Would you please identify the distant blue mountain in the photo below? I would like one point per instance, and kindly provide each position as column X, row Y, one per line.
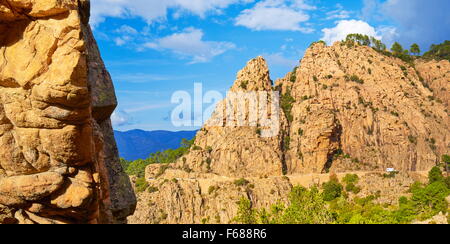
column 139, row 144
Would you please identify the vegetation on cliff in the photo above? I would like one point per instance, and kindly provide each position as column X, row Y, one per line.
column 441, row 51
column 437, row 52
column 137, row 167
column 333, row 205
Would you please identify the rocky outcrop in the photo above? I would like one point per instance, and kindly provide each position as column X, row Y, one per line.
column 58, row 158
column 435, row 76
column 344, row 109
column 373, row 108
column 207, row 199
column 236, row 148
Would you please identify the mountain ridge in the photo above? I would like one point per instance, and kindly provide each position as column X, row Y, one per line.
column 139, row 144
column 347, row 108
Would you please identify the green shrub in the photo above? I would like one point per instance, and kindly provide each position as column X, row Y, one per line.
column 152, row 189
column 351, row 179
column 403, row 200
column 241, row 182
column 332, row 190
column 396, row 114
column 244, row 84
column 162, row 170
column 390, row 175
column 305, row 207
column 356, row 79
column 446, row 160
column 435, row 175
column 447, row 181
column 286, row 143
column 141, row 184
column 196, row 148
column 245, row 214
column 287, row 102
column 137, row 167
column 351, row 187
column 428, row 201
column 293, row 77
column 124, row 163
column 412, row 139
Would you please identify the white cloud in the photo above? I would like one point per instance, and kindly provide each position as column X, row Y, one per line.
column 190, row 44
column 119, row 41
column 128, row 34
column 339, row 13
column 345, row 27
column 120, row 118
column 283, row 15
column 152, row 10
column 126, row 29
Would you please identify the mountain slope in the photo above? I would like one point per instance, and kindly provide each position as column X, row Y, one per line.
column 139, row 144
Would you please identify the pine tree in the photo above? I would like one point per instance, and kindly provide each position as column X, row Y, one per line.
column 415, row 49
column 397, row 49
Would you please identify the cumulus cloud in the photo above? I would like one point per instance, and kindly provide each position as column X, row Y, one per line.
column 120, row 118
column 190, row 44
column 151, row 10
column 345, row 27
column 282, row 15
column 387, row 34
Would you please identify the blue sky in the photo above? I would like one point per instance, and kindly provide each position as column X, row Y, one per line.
column 153, row 48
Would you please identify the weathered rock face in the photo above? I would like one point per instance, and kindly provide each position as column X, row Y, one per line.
column 58, row 158
column 237, row 149
column 347, row 110
column 371, row 107
column 345, row 101
column 436, row 76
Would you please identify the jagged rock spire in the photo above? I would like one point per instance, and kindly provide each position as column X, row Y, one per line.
column 255, row 76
